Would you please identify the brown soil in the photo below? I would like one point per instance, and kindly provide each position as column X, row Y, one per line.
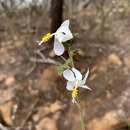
column 36, row 97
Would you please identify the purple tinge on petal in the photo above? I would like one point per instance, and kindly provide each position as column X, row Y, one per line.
column 68, row 75
column 58, row 47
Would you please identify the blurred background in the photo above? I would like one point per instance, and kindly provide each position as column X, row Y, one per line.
column 33, row 96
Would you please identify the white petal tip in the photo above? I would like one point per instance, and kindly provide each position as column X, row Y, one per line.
column 90, row 89
column 40, row 43
column 74, row 100
column 86, row 87
column 58, row 54
column 67, row 20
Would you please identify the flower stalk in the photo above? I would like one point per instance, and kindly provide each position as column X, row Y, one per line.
column 75, row 80
column 81, row 115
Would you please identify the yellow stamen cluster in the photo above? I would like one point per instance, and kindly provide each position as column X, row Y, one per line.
column 47, row 37
column 74, row 92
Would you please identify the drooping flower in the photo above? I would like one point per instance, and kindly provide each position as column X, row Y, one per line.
column 62, row 34
column 74, row 81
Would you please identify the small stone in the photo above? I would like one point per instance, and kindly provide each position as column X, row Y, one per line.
column 5, row 111
column 56, row 106
column 36, row 117
column 6, row 105
column 47, row 124
column 10, row 81
column 2, row 77
column 52, row 54
column 114, row 59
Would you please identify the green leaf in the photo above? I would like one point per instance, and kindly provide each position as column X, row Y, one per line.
column 68, row 62
column 61, row 68
column 75, row 34
column 73, row 51
column 68, row 43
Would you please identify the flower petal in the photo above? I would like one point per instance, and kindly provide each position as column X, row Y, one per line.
column 86, row 87
column 70, row 85
column 63, row 33
column 58, row 47
column 40, row 43
column 68, row 75
column 78, row 75
column 85, row 78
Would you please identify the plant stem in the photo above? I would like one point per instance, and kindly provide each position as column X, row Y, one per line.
column 71, row 57
column 63, row 58
column 81, row 115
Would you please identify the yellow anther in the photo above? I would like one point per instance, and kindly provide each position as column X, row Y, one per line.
column 74, row 92
column 47, row 37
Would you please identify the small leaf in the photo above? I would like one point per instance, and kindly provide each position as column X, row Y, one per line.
column 68, row 62
column 75, row 34
column 68, row 44
column 73, row 51
column 60, row 69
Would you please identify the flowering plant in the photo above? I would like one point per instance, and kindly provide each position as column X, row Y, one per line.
column 74, row 78
column 62, row 34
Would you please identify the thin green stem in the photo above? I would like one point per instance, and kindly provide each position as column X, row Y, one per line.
column 81, row 115
column 71, row 57
column 63, row 58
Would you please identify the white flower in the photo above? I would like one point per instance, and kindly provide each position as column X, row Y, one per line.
column 62, row 34
column 75, row 79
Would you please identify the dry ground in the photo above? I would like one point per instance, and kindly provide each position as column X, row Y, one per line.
column 33, row 96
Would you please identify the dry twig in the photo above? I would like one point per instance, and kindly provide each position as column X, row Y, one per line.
column 43, row 59
column 29, row 114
